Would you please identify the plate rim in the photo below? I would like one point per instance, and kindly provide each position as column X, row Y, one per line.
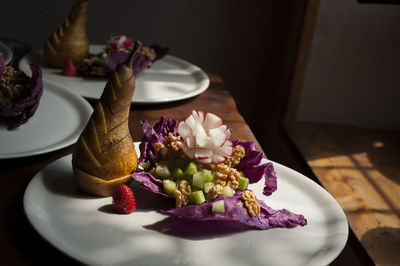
column 202, row 86
column 298, row 176
column 9, row 52
column 75, row 100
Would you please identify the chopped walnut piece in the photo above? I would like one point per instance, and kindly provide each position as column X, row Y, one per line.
column 214, row 192
column 160, row 151
column 237, row 154
column 147, row 51
column 250, row 201
column 182, row 193
column 12, row 84
column 171, row 144
column 226, row 176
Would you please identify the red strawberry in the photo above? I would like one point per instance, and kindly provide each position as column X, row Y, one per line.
column 69, row 68
column 124, row 200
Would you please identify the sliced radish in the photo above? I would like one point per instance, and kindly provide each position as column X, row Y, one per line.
column 184, row 130
column 205, row 138
column 212, row 121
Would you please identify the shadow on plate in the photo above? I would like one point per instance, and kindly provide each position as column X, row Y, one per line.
column 61, row 181
column 196, row 230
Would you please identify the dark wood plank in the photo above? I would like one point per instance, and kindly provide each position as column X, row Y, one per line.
column 361, row 169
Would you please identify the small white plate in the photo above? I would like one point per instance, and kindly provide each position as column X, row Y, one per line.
column 7, row 52
column 57, row 123
column 86, row 228
column 169, row 79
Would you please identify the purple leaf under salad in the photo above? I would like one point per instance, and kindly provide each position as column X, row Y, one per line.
column 194, row 163
column 117, row 51
column 19, row 94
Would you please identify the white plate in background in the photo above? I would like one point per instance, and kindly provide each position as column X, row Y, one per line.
column 57, row 123
column 169, row 79
column 7, row 52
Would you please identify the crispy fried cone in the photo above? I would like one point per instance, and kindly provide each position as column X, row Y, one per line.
column 105, row 156
column 70, row 40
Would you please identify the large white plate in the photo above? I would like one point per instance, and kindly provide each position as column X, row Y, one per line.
column 7, row 52
column 57, row 123
column 85, row 228
column 169, row 79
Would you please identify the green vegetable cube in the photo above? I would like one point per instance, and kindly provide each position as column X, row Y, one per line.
column 163, row 171
column 208, row 176
column 228, row 191
column 153, row 172
column 218, row 206
column 176, row 174
column 169, row 187
column 198, row 180
column 197, row 197
column 207, row 186
column 190, row 169
column 145, row 165
column 176, row 163
column 243, row 183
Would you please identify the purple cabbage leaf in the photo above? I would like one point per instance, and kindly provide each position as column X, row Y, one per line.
column 154, row 135
column 235, row 211
column 115, row 57
column 253, row 170
column 20, row 111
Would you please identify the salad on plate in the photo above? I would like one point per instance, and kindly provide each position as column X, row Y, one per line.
column 196, row 164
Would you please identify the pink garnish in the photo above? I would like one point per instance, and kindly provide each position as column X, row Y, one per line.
column 205, row 138
column 119, row 42
column 69, row 68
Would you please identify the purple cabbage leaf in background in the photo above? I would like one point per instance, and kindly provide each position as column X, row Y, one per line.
column 115, row 57
column 20, row 111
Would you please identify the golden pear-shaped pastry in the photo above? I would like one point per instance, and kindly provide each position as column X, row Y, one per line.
column 70, row 40
column 105, row 156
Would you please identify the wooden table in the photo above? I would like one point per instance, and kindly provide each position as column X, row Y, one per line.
column 19, row 242
column 361, row 169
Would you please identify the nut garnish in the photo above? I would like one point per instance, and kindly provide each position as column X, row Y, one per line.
column 237, row 154
column 182, row 193
column 171, row 144
column 250, row 201
column 226, row 176
column 214, row 192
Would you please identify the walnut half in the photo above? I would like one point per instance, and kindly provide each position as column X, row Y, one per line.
column 250, row 201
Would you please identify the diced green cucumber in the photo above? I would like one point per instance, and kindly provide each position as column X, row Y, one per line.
column 218, row 206
column 228, row 191
column 207, row 186
column 163, row 171
column 169, row 187
column 197, row 197
column 208, row 176
column 176, row 163
column 190, row 169
column 243, row 183
column 153, row 172
column 145, row 165
column 198, row 180
column 177, row 173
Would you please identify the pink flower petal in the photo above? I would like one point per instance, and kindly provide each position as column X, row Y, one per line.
column 212, row 121
column 184, row 130
column 201, row 153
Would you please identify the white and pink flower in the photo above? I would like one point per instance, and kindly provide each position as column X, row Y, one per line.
column 205, row 138
column 119, row 42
